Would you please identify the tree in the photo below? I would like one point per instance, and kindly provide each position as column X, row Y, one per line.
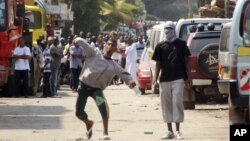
column 166, row 9
column 190, row 10
column 121, row 11
column 96, row 15
column 86, row 15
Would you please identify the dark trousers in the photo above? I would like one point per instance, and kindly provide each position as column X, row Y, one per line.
column 123, row 62
column 75, row 77
column 84, row 92
column 21, row 81
column 46, row 84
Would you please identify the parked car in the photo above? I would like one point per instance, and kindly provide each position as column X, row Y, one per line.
column 203, row 62
column 235, row 65
column 144, row 72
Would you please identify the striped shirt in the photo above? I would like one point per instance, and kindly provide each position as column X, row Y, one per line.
column 46, row 56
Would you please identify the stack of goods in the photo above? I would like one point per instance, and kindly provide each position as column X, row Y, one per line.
column 217, row 9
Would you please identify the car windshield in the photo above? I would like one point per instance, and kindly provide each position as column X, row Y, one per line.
column 35, row 19
column 2, row 15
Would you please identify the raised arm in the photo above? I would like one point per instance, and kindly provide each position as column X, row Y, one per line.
column 88, row 50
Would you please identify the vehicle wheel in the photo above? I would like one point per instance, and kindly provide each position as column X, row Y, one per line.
column 142, row 90
column 189, row 99
column 208, row 60
column 237, row 115
column 9, row 88
column 189, row 105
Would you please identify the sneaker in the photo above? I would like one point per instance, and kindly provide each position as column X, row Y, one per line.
column 105, row 137
column 178, row 135
column 170, row 135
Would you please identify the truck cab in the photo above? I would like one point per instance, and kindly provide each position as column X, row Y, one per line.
column 36, row 17
column 11, row 29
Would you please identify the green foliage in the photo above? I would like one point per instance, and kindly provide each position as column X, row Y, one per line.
column 89, row 17
column 167, row 9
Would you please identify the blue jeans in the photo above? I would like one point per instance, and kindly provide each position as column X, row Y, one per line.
column 54, row 79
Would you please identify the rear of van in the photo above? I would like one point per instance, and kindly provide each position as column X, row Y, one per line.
column 223, row 59
column 239, row 64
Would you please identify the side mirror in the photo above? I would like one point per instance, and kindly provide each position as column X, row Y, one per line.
column 20, row 12
column 18, row 22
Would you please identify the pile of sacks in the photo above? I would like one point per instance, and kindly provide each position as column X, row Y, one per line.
column 217, row 9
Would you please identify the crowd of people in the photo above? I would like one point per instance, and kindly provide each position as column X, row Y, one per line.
column 61, row 60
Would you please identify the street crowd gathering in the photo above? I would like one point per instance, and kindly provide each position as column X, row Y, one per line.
column 61, row 60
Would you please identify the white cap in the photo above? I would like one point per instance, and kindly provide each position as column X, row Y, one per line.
column 169, row 24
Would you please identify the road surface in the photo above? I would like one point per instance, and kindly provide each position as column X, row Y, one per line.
column 132, row 118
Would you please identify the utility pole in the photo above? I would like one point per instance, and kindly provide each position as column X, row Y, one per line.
column 190, row 9
column 225, row 8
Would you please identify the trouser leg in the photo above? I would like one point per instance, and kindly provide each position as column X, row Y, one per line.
column 46, row 84
column 166, row 101
column 25, row 84
column 178, row 108
column 18, row 83
column 81, row 103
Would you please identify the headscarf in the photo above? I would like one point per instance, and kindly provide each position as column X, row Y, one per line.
column 169, row 29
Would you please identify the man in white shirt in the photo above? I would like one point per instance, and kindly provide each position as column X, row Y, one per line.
column 22, row 55
column 131, row 57
column 139, row 46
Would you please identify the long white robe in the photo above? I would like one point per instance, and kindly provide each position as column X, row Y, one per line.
column 131, row 57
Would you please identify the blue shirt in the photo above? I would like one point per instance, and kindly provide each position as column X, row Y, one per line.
column 76, row 62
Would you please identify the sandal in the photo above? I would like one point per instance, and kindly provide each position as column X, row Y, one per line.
column 89, row 131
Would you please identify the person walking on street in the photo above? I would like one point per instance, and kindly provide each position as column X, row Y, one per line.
column 22, row 56
column 96, row 75
column 171, row 59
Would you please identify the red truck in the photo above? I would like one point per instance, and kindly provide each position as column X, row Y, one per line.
column 12, row 13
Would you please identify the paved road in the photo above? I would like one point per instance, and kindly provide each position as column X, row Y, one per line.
column 131, row 116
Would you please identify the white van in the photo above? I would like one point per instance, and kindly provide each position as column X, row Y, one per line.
column 236, row 64
column 223, row 58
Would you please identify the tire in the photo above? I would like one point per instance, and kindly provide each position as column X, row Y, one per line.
column 189, row 105
column 189, row 99
column 208, row 60
column 9, row 88
column 142, row 90
column 237, row 115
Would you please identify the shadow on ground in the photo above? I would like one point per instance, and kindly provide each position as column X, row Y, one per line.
column 31, row 117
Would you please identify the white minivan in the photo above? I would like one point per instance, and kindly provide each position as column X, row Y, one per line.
column 235, row 65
